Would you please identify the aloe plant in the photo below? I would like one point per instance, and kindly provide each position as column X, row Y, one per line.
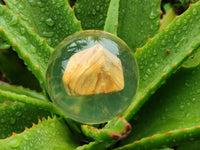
column 164, row 114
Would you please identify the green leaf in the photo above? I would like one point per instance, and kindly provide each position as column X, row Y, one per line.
column 117, row 129
column 193, row 60
column 49, row 134
column 92, row 13
column 174, row 108
column 23, row 91
column 3, row 44
column 162, row 55
column 7, row 93
column 93, row 146
column 52, row 19
column 138, row 21
column 15, row 116
column 112, row 17
column 15, row 71
column 30, row 47
column 156, row 65
column 189, row 145
column 160, row 141
column 168, row 18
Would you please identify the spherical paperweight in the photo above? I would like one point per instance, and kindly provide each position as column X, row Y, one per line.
column 92, row 76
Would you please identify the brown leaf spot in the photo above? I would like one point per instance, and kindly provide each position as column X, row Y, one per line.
column 123, row 134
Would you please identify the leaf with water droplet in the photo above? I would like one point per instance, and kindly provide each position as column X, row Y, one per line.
column 22, row 30
column 49, row 22
column 47, row 13
column 131, row 28
column 166, row 63
column 51, row 133
column 14, row 117
column 92, row 14
column 176, row 108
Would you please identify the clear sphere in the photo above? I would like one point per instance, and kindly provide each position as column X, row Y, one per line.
column 93, row 108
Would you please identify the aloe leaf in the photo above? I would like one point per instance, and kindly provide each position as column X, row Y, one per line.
column 174, row 108
column 163, row 140
column 23, row 91
column 7, row 93
column 156, row 63
column 112, row 17
column 189, row 145
column 92, row 146
column 15, row 116
column 52, row 19
column 117, row 129
column 193, row 60
column 162, row 55
column 3, row 44
column 92, row 13
column 15, row 71
column 168, row 18
column 30, row 47
column 138, row 21
column 48, row 134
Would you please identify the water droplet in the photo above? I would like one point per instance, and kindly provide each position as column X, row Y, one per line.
column 22, row 30
column 21, row 6
column 181, row 107
column 198, row 91
column 144, row 78
column 2, row 120
column 47, row 34
column 175, row 39
column 171, row 32
column 97, row 7
column 141, row 67
column 40, row 4
column 40, row 41
column 18, row 113
column 94, row 12
column 14, row 20
column 24, row 40
column 148, row 71
column 12, row 120
column 78, row 11
column 42, row 9
column 187, row 115
column 33, row 49
column 163, row 43
column 14, row 2
column 185, row 21
column 194, row 99
column 156, row 65
column 42, row 19
column 194, row 11
column 15, row 142
column 32, row 2
column 49, row 22
column 155, row 52
column 178, row 22
column 153, row 15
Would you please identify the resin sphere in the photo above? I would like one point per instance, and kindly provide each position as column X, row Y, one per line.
column 92, row 76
